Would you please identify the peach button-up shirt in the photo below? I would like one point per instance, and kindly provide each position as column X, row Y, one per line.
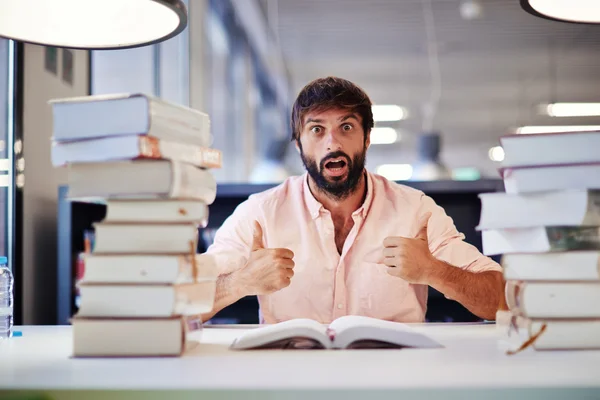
column 327, row 285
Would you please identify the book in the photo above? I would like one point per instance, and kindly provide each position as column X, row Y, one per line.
column 551, row 177
column 549, row 148
column 115, row 148
column 556, row 266
column 348, row 332
column 87, row 117
column 151, row 211
column 163, row 238
column 146, row 301
column 548, row 334
column 540, row 239
column 148, row 179
column 109, row 337
column 553, row 299
column 563, row 208
column 148, row 269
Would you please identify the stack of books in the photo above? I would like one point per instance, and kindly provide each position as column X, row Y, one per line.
column 144, row 287
column 546, row 226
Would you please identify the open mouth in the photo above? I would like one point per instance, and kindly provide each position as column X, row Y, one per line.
column 336, row 166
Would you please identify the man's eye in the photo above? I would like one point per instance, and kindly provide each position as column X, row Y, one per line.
column 315, row 129
column 347, row 127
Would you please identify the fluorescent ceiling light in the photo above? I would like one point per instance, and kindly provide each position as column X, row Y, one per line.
column 559, row 128
column 582, row 11
column 388, row 112
column 92, row 24
column 496, row 153
column 572, row 109
column 383, row 135
column 396, row 172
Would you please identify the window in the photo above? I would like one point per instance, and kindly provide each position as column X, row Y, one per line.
column 6, row 138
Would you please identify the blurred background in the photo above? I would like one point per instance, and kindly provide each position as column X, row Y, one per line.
column 458, row 73
column 448, row 78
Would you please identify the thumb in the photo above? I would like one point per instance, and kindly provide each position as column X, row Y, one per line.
column 423, row 221
column 257, row 241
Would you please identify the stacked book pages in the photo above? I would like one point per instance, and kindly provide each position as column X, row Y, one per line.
column 546, row 226
column 144, row 287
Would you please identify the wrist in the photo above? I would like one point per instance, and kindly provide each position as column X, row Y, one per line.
column 437, row 272
column 236, row 285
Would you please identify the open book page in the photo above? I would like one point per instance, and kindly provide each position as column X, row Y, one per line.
column 293, row 334
column 363, row 332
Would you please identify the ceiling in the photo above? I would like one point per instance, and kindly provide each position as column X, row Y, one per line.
column 493, row 70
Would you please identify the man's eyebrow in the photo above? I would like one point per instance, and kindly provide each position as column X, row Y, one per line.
column 348, row 116
column 318, row 121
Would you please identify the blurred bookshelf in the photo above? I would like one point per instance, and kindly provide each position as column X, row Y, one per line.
column 75, row 232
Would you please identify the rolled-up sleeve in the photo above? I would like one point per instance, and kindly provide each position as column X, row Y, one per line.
column 447, row 244
column 233, row 240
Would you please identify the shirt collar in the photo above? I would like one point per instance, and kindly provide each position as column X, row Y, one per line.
column 315, row 207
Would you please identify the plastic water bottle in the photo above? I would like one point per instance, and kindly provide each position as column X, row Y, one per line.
column 6, row 299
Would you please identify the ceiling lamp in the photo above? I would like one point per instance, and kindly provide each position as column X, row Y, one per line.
column 578, row 11
column 571, row 109
column 92, row 24
column 388, row 112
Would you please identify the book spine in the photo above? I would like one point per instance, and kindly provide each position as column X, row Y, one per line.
column 573, row 238
column 202, row 157
column 186, row 124
column 592, row 214
column 184, row 186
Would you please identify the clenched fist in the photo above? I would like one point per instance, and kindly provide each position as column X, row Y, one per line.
column 410, row 258
column 267, row 270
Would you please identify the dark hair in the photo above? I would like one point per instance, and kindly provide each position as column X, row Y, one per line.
column 327, row 93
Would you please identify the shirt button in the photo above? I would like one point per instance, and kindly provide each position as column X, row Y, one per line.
column 340, row 306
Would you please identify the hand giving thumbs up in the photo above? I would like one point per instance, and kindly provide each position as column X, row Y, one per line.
column 267, row 270
column 409, row 258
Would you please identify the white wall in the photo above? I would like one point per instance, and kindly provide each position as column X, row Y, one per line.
column 39, row 241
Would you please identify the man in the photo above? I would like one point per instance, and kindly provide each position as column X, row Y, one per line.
column 339, row 240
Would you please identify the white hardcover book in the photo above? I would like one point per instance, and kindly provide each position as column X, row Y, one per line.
column 551, row 178
column 145, row 238
column 146, row 301
column 531, row 334
column 122, row 114
column 141, row 179
column 555, row 266
column 149, row 269
column 553, row 299
column 117, row 148
column 560, row 208
column 549, row 148
column 541, row 239
column 157, row 337
column 151, row 211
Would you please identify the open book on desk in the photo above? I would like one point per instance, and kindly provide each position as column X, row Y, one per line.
column 349, row 332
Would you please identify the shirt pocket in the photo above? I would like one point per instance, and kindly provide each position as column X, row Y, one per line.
column 381, row 294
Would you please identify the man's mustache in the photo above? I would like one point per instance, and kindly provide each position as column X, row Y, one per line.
column 331, row 156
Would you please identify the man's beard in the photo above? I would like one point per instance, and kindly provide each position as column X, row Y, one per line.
column 339, row 188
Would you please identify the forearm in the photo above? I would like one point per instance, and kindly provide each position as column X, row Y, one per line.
column 228, row 291
column 482, row 293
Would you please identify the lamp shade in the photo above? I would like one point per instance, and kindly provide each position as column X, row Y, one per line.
column 575, row 11
column 92, row 24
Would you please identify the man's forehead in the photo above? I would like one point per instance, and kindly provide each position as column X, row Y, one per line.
column 330, row 114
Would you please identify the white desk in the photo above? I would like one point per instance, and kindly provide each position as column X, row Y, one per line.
column 471, row 363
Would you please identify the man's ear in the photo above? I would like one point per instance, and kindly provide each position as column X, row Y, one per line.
column 368, row 141
column 297, row 146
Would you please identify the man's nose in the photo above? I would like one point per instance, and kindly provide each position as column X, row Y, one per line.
column 332, row 140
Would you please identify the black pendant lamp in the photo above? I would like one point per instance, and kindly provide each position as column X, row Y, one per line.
column 92, row 24
column 574, row 11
